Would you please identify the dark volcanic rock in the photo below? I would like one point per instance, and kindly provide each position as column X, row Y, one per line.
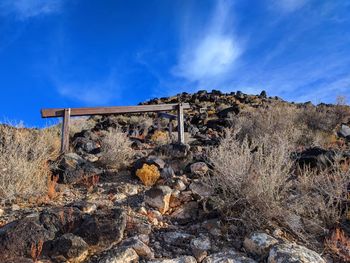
column 225, row 112
column 72, row 168
column 103, row 228
column 18, row 237
column 69, row 246
column 316, row 157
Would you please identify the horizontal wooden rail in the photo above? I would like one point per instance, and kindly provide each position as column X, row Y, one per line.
column 51, row 113
column 67, row 113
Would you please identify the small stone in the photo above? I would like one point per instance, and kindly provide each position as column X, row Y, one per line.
column 259, row 243
column 228, row 257
column 203, row 191
column 291, row 252
column 199, row 247
column 142, row 210
column 179, row 185
column 213, row 226
column 2, row 212
column 144, row 238
column 186, row 213
column 116, row 255
column 199, row 168
column 344, row 131
column 183, row 259
column 140, row 247
column 159, row 197
column 15, row 207
column 177, row 238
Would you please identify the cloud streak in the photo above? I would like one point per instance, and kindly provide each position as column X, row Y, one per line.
column 24, row 9
column 288, row 6
column 212, row 51
column 90, row 92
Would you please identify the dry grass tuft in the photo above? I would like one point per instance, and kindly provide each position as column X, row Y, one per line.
column 116, row 149
column 23, row 160
column 339, row 244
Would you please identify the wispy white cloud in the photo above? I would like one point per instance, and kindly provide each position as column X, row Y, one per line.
column 212, row 50
column 24, row 9
column 289, row 5
column 90, row 92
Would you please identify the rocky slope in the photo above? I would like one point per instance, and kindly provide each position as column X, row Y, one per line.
column 155, row 209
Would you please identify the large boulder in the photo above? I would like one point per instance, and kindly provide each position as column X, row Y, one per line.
column 69, row 247
column 316, row 157
column 72, row 168
column 36, row 231
column 292, row 253
column 103, row 228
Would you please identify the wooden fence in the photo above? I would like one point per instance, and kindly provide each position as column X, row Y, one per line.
column 69, row 112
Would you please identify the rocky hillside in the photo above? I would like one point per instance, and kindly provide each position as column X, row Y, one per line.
column 258, row 180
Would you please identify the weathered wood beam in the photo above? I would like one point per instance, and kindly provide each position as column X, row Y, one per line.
column 59, row 112
column 180, row 123
column 65, row 131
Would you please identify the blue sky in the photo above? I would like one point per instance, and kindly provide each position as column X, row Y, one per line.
column 72, row 53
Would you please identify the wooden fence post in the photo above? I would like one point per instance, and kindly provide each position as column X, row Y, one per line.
column 65, row 131
column 180, row 124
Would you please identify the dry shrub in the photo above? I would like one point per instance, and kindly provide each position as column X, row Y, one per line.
column 116, row 149
column 339, row 244
column 249, row 179
column 320, row 118
column 23, row 160
column 305, row 126
column 255, row 184
column 261, row 122
column 160, row 137
column 148, row 174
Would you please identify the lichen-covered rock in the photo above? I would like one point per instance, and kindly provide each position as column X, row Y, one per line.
column 292, row 253
column 18, row 238
column 140, row 247
column 200, row 247
column 201, row 190
column 186, row 213
column 259, row 243
column 72, row 168
column 199, row 168
column 183, row 259
column 69, row 247
column 228, row 257
column 159, row 197
column 103, row 227
column 148, row 174
column 116, row 255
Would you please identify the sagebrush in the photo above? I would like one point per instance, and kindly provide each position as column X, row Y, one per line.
column 24, row 153
column 256, row 186
column 116, row 149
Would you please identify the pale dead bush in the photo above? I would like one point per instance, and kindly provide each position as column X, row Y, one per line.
column 23, row 160
column 250, row 179
column 256, row 186
column 259, row 123
column 116, row 149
